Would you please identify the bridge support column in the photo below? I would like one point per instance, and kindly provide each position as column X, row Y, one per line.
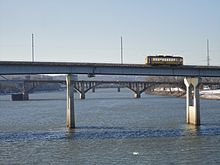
column 82, row 95
column 20, row 97
column 25, row 96
column 70, row 116
column 25, row 92
column 192, row 100
column 137, row 95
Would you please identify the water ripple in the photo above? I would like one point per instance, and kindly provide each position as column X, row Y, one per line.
column 85, row 133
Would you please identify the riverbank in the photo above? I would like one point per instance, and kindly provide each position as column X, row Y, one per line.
column 204, row 94
column 210, row 94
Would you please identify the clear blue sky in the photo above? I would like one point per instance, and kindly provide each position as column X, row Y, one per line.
column 90, row 30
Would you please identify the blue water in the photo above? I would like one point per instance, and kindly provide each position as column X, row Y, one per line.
column 112, row 128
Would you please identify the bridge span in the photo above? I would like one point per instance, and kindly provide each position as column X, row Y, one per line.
column 83, row 86
column 191, row 73
column 18, row 67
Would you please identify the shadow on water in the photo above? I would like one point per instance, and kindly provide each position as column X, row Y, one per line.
column 78, row 99
column 88, row 98
column 101, row 133
column 97, row 128
column 48, row 99
column 125, row 98
column 106, row 98
column 144, row 97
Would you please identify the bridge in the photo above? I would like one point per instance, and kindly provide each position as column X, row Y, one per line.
column 191, row 73
column 17, row 67
column 82, row 86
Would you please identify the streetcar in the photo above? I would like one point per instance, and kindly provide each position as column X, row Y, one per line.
column 164, row 60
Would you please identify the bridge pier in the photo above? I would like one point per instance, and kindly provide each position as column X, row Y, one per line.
column 192, row 100
column 20, row 97
column 25, row 92
column 82, row 95
column 25, row 96
column 93, row 89
column 137, row 95
column 70, row 116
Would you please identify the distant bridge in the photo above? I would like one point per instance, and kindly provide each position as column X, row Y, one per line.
column 82, row 87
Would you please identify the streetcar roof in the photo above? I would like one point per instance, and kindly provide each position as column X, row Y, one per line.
column 165, row 56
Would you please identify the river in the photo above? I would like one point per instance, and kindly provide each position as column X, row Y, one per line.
column 112, row 128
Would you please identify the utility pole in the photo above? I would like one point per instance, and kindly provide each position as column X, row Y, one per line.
column 121, row 51
column 32, row 47
column 208, row 57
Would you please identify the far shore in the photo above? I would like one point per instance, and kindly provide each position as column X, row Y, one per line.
column 204, row 94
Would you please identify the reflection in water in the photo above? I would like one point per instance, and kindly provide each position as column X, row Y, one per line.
column 192, row 130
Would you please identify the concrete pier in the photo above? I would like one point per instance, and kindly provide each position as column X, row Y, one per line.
column 70, row 116
column 20, row 97
column 137, row 95
column 82, row 95
column 93, row 89
column 192, row 100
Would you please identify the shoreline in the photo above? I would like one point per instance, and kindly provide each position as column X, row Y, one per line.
column 210, row 94
column 205, row 94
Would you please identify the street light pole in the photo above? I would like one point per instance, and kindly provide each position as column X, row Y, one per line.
column 121, row 51
column 32, row 47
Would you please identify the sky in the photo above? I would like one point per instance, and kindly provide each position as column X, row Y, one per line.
column 90, row 30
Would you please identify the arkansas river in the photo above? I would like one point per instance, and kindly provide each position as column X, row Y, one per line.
column 112, row 128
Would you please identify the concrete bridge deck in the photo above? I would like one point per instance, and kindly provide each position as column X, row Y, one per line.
column 19, row 67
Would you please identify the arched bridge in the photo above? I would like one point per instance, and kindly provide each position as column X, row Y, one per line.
column 82, row 87
column 138, row 87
